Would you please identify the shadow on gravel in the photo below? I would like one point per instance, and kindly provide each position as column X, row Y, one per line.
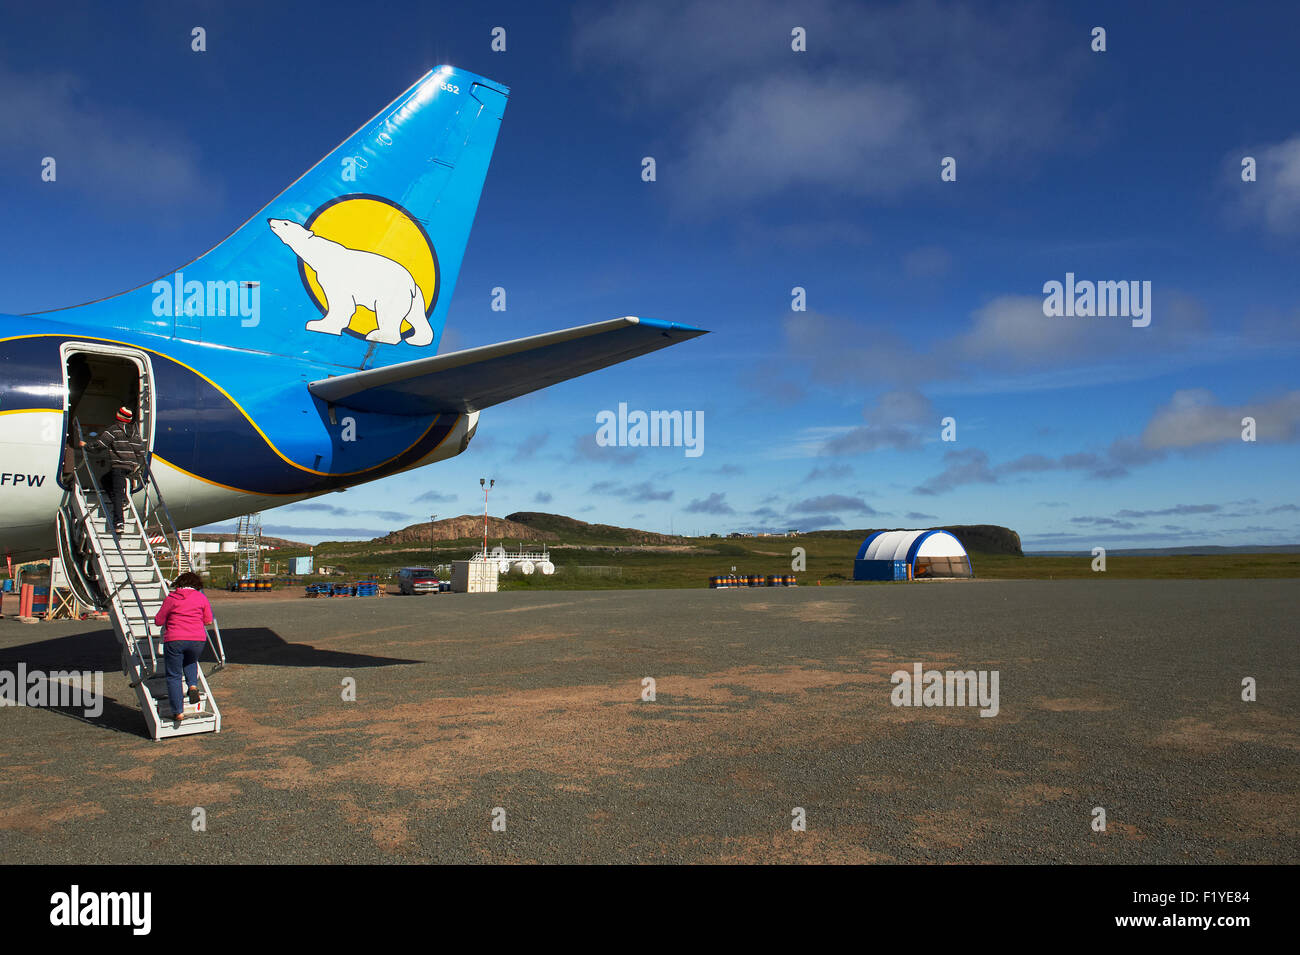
column 261, row 646
column 95, row 650
column 98, row 650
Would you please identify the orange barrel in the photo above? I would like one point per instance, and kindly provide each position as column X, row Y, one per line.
column 25, row 601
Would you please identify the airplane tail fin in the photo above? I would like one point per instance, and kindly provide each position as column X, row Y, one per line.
column 354, row 263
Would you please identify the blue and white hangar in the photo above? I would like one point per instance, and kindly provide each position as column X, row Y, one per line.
column 911, row 555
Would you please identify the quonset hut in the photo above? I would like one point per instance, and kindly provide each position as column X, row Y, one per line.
column 904, row 555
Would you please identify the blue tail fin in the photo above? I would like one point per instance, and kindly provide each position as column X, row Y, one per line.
column 354, row 263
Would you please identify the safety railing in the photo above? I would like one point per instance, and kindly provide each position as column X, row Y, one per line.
column 158, row 504
column 110, row 523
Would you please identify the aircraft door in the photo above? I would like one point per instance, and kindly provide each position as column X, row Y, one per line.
column 99, row 379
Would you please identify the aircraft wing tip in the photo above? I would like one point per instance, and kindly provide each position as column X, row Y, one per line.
column 689, row 330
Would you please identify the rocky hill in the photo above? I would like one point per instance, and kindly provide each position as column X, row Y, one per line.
column 524, row 526
column 466, row 526
column 268, row 541
column 558, row 529
column 570, row 529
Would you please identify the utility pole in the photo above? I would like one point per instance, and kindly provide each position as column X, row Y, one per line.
column 486, row 486
column 432, row 518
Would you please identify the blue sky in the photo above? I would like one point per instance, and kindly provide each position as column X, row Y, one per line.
column 775, row 169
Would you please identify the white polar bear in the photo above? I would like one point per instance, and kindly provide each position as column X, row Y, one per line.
column 351, row 278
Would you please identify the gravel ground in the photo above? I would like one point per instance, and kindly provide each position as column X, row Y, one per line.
column 1124, row 695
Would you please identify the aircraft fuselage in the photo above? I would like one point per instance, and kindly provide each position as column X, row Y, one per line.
column 215, row 456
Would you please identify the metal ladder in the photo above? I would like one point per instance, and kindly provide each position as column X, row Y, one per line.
column 118, row 573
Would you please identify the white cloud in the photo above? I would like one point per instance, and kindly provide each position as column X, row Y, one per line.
column 764, row 138
column 882, row 95
column 1014, row 326
column 100, row 150
column 1193, row 417
column 1274, row 197
column 900, row 407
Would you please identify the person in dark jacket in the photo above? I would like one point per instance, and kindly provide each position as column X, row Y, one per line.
column 185, row 613
column 121, row 451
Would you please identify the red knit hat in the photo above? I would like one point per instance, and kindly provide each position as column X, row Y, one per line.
column 124, row 414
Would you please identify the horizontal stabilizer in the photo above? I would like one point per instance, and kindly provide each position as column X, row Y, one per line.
column 478, row 378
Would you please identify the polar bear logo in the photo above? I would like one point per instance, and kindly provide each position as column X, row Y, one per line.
column 351, row 278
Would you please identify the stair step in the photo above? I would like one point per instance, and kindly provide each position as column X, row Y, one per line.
column 164, row 709
column 140, row 625
column 124, row 536
column 189, row 726
column 132, row 606
column 125, row 566
column 158, row 687
column 150, row 595
column 105, row 534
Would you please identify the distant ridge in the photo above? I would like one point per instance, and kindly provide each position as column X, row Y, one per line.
column 562, row 526
column 1208, row 550
column 465, row 526
column 524, row 526
column 269, row 541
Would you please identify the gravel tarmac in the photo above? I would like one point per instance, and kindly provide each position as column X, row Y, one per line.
column 528, row 708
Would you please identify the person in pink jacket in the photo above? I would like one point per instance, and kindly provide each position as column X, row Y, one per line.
column 184, row 614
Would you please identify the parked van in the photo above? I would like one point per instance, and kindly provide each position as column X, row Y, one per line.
column 417, row 580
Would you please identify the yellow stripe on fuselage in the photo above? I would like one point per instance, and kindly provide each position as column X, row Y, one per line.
column 238, row 407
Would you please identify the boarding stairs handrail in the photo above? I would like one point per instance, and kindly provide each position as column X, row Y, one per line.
column 153, row 504
column 110, row 525
column 118, row 568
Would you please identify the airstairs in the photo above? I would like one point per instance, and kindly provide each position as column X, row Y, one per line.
column 117, row 572
column 249, row 546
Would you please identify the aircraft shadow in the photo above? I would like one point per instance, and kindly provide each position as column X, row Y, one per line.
column 258, row 646
column 261, row 646
column 98, row 650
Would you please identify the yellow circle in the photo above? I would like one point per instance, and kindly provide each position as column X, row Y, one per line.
column 371, row 225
